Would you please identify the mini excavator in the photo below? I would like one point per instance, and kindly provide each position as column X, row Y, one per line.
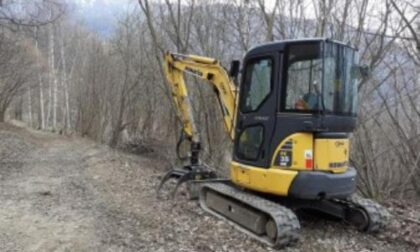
column 290, row 118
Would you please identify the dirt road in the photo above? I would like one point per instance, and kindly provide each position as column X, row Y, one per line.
column 70, row 194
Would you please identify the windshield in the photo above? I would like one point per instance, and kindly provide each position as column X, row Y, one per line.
column 320, row 77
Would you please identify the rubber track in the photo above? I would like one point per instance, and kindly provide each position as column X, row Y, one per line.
column 378, row 215
column 287, row 223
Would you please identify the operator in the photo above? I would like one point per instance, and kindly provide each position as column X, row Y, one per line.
column 309, row 101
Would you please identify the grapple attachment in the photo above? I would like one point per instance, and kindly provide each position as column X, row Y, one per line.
column 185, row 174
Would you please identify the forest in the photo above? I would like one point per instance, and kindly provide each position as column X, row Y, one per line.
column 57, row 75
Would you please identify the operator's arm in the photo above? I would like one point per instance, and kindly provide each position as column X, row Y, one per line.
column 208, row 69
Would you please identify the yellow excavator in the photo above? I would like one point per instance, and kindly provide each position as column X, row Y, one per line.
column 289, row 117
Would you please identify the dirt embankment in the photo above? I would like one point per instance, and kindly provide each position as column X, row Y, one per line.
column 70, row 194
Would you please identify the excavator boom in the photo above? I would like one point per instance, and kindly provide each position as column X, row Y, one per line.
column 208, row 69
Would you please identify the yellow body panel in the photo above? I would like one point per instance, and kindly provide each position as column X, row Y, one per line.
column 274, row 181
column 331, row 155
column 296, row 147
column 201, row 59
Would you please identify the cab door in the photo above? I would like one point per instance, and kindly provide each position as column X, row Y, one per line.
column 257, row 108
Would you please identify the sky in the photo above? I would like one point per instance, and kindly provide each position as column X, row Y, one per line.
column 100, row 15
column 86, row 3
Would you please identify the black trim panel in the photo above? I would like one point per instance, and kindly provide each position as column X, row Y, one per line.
column 332, row 135
column 316, row 185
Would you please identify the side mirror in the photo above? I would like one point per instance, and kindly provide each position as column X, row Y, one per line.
column 234, row 68
column 361, row 71
column 364, row 71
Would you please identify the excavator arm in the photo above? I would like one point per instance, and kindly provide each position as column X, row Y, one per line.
column 175, row 65
column 208, row 69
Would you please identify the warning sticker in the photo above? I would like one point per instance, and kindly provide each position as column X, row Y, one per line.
column 308, row 159
column 285, row 158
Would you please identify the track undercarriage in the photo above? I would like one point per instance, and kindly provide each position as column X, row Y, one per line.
column 266, row 221
column 272, row 220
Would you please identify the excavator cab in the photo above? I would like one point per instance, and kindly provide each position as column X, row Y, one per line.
column 297, row 107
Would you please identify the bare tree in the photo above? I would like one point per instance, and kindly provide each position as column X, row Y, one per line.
column 16, row 70
column 15, row 13
column 41, row 112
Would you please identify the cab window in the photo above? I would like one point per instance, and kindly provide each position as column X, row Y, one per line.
column 257, row 84
column 250, row 142
column 304, row 77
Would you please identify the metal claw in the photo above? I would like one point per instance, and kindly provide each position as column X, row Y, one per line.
column 173, row 173
column 183, row 175
column 186, row 177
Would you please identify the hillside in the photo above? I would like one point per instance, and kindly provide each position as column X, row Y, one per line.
column 61, row 193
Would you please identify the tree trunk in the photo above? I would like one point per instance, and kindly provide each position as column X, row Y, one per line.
column 29, row 107
column 66, row 114
column 47, row 121
column 118, row 127
column 41, row 116
column 55, row 89
column 52, row 89
column 18, row 105
column 2, row 115
column 41, row 102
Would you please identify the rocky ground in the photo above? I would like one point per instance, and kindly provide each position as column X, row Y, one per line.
column 61, row 193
